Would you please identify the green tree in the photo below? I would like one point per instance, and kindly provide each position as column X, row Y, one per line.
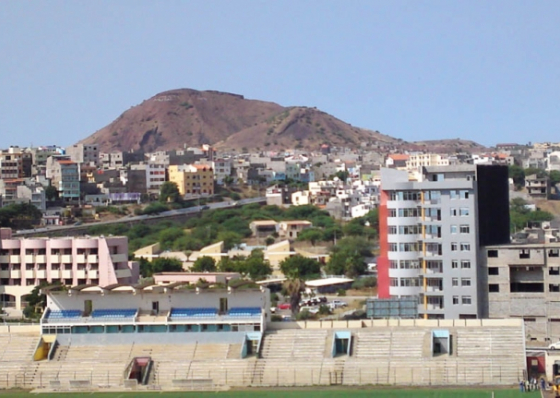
column 51, row 193
column 517, row 174
column 169, row 192
column 312, row 235
column 230, row 239
column 204, row 264
column 255, row 266
column 348, row 257
column 554, row 176
column 294, row 289
column 160, row 264
column 167, row 237
column 354, row 227
column 299, row 267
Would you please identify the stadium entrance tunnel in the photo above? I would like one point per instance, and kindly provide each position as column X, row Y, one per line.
column 139, row 370
column 441, row 342
column 342, row 342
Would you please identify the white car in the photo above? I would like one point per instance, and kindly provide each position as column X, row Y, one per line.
column 337, row 304
column 554, row 346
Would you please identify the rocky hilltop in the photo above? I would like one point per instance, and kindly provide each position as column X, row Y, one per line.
column 184, row 117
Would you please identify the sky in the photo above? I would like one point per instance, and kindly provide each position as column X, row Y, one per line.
column 487, row 71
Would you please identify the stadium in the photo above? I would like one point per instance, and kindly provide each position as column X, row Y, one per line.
column 176, row 337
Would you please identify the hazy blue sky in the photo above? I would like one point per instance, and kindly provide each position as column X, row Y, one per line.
column 482, row 70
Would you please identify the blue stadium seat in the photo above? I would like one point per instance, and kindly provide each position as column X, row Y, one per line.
column 244, row 312
column 193, row 313
column 64, row 314
column 113, row 313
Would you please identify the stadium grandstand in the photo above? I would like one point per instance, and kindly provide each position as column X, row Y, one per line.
column 176, row 337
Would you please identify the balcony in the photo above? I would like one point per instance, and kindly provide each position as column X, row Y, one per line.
column 81, row 258
column 30, row 259
column 119, row 258
column 55, row 274
column 80, row 274
column 55, row 258
column 41, row 274
column 15, row 274
column 4, row 274
column 41, row 259
column 4, row 259
column 15, row 259
column 66, row 259
column 93, row 274
column 30, row 274
column 67, row 274
column 92, row 258
column 123, row 273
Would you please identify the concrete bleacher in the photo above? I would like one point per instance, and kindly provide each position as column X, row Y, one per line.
column 63, row 315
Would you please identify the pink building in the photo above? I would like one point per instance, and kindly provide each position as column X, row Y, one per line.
column 26, row 263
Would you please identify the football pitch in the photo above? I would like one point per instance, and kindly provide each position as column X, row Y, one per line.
column 297, row 393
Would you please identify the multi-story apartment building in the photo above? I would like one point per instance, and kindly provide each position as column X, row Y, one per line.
column 26, row 263
column 155, row 177
column 522, row 280
column 65, row 176
column 431, row 232
column 84, row 154
column 15, row 163
column 193, row 179
column 40, row 156
column 418, row 160
column 222, row 169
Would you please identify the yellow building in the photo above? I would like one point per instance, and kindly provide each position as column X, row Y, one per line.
column 193, row 179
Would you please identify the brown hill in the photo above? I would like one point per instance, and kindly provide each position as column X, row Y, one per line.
column 178, row 118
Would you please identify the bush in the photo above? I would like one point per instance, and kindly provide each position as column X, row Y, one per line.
column 303, row 315
column 341, row 292
column 364, row 283
column 276, row 318
column 154, row 208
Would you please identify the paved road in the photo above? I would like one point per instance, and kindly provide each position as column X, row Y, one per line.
column 136, row 219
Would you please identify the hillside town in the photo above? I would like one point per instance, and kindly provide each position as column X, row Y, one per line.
column 410, row 234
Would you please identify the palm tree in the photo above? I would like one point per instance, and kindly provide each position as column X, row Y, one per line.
column 294, row 287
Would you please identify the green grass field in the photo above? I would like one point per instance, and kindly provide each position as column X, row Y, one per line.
column 301, row 393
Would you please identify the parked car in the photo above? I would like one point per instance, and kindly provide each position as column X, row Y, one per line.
column 285, row 306
column 554, row 346
column 337, row 304
column 204, row 207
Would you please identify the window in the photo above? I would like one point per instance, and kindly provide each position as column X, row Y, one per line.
column 465, row 247
column 453, row 194
column 492, row 253
column 394, row 282
column 466, row 300
column 553, row 253
column 453, row 212
column 392, row 212
column 453, row 229
column 465, row 264
column 454, row 246
column 409, row 282
column 409, row 264
column 409, row 229
column 410, row 212
column 464, row 229
column 393, row 264
column 493, row 288
column 454, row 281
column 454, row 264
column 465, row 282
column 408, row 247
column 464, row 211
column 392, row 229
column 393, row 247
column 524, row 253
column 464, row 194
column 554, row 288
column 455, row 300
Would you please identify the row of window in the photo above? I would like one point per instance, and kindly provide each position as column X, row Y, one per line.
column 416, row 282
column 430, row 264
column 431, row 212
column 432, row 248
column 428, row 195
column 524, row 253
column 465, row 300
